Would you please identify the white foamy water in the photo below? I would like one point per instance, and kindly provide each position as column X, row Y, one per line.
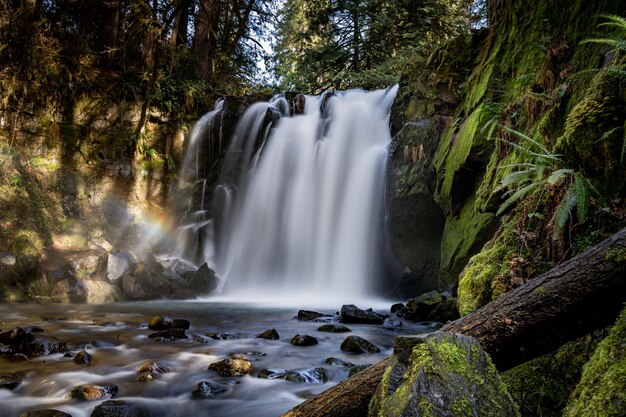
column 306, row 215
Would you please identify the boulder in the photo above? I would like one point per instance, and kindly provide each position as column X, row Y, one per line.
column 118, row 264
column 168, row 335
column 201, row 281
column 303, row 340
column 271, row 334
column 338, row 362
column 93, row 392
column 441, row 374
column 396, row 307
column 152, row 367
column 232, row 367
column 356, row 344
column 41, row 345
column 222, row 336
column 207, row 389
column 352, row 314
column 304, row 376
column 166, row 323
column 307, row 315
column 82, row 358
column 445, row 311
column 45, row 413
column 7, row 268
column 334, row 328
column 10, row 380
column 392, row 323
column 117, row 408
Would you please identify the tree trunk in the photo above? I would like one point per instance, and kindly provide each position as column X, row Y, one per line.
column 111, row 20
column 569, row 301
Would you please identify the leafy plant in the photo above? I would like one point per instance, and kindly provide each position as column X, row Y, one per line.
column 616, row 38
column 546, row 169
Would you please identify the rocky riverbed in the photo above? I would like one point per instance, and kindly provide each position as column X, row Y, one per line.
column 181, row 358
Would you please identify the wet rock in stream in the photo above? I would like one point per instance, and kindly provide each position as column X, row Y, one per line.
column 207, row 389
column 168, row 335
column 303, row 376
column 82, row 358
column 352, row 314
column 117, row 408
column 307, row 315
column 334, row 328
column 232, row 367
column 45, row 413
column 149, row 370
column 10, row 380
column 271, row 334
column 93, row 392
column 222, row 336
column 356, row 344
column 303, row 340
column 338, row 362
column 160, row 323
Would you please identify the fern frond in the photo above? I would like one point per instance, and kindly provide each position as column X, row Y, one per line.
column 607, row 134
column 617, row 44
column 526, row 138
column 563, row 211
column 558, row 175
column 518, row 195
column 582, row 196
column 550, row 156
column 516, row 177
column 614, row 20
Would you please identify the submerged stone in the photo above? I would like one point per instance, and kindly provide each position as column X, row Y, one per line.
column 93, row 392
column 303, row 340
column 338, row 362
column 152, row 367
column 117, row 408
column 232, row 367
column 10, row 380
column 334, row 328
column 304, row 376
column 168, row 335
column 356, row 344
column 441, row 374
column 207, row 389
column 352, row 314
column 271, row 334
column 222, row 336
column 166, row 323
column 82, row 358
column 45, row 413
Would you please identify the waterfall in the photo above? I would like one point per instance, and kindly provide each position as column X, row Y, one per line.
column 300, row 201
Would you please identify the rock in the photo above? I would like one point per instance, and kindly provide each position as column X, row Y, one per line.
column 40, row 345
column 356, row 344
column 118, row 264
column 82, row 358
column 10, row 380
column 396, row 307
column 352, row 314
column 27, row 264
column 303, row 340
column 152, row 367
column 334, row 328
column 420, row 308
column 93, row 392
column 207, row 389
column 14, row 337
column 168, row 335
column 222, row 336
column 232, row 367
column 88, row 264
column 45, row 413
column 445, row 311
column 306, row 376
column 357, row 368
column 271, row 334
column 308, row 315
column 100, row 243
column 441, row 374
column 392, row 323
column 338, row 362
column 201, row 281
column 117, row 408
column 7, row 265
column 166, row 323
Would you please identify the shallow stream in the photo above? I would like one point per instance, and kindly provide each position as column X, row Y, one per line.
column 117, row 338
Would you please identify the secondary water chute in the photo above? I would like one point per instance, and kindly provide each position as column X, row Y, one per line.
column 299, row 207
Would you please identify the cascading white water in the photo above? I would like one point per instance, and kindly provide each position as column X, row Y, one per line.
column 305, row 213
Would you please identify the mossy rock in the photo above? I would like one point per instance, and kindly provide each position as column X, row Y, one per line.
column 602, row 387
column 232, row 367
column 441, row 374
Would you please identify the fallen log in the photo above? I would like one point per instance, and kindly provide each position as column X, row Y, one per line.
column 569, row 301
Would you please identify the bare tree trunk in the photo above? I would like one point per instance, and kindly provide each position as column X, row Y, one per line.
column 582, row 294
column 110, row 27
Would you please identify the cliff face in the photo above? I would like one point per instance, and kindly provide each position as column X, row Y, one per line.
column 529, row 112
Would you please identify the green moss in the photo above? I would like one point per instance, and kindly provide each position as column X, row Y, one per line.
column 602, row 387
column 616, row 255
column 463, row 236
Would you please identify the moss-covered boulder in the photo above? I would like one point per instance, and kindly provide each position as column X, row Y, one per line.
column 232, row 367
column 441, row 374
column 602, row 387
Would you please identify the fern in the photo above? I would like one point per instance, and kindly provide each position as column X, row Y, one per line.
column 582, row 197
column 516, row 196
column 558, row 175
column 563, row 211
